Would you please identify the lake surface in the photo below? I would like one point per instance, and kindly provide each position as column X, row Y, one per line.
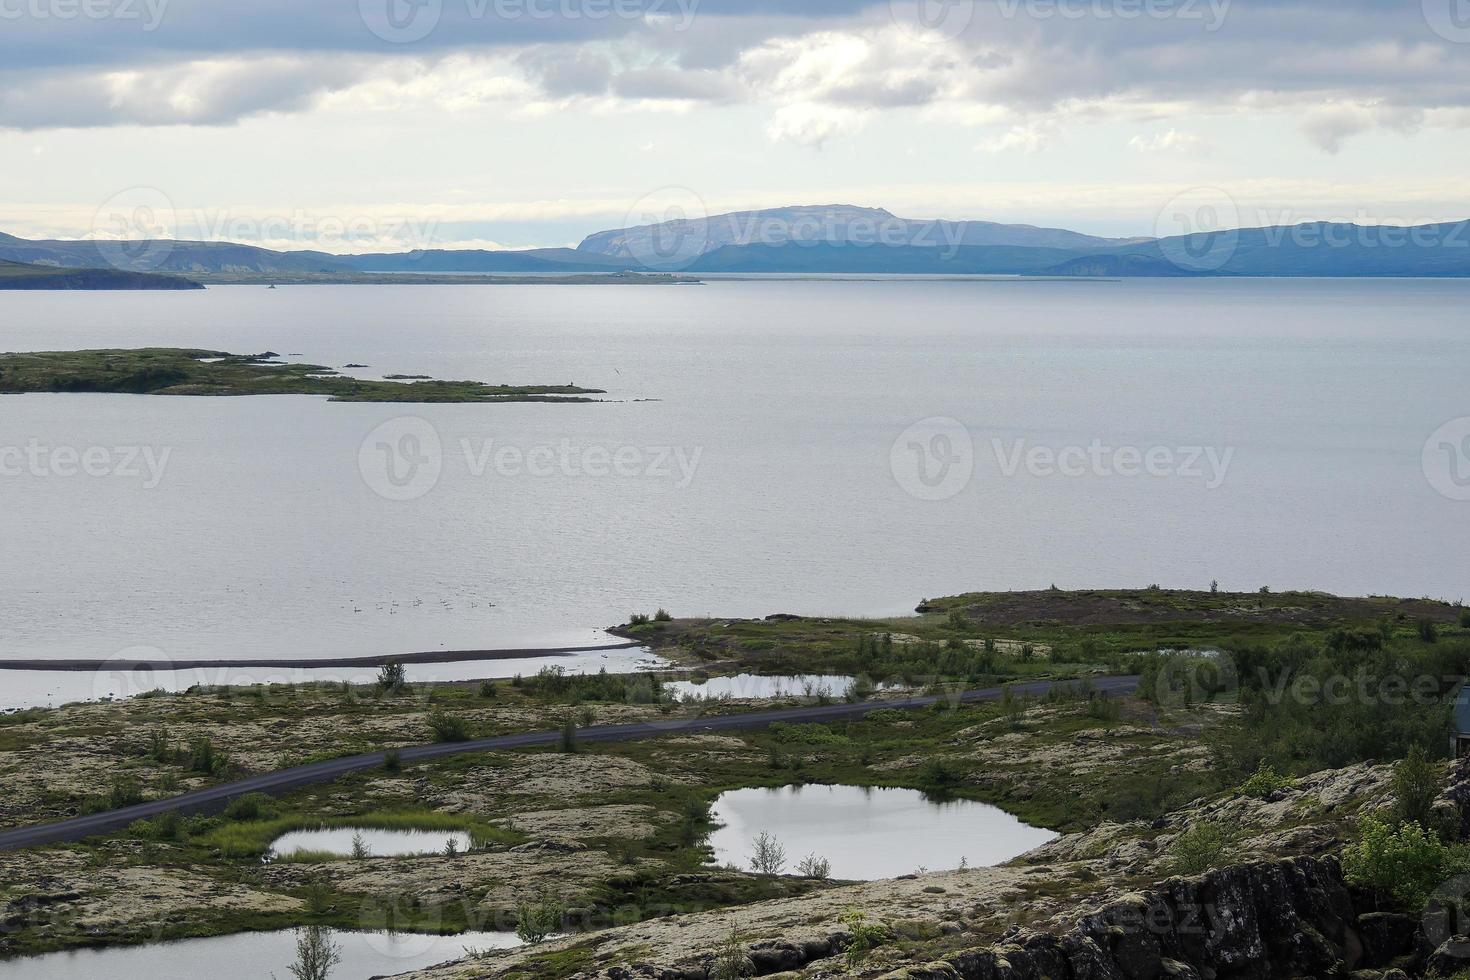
column 778, row 463
column 379, row 843
column 869, row 834
column 253, row 956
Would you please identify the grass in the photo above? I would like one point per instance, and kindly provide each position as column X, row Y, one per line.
column 177, row 371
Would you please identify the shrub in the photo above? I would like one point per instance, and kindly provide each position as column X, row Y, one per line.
column 863, row 937
column 812, row 734
column 1200, row 848
column 941, row 774
column 638, row 619
column 1265, row 782
column 1465, row 619
column 732, row 961
column 1102, row 709
column 251, row 806
column 1402, row 862
column 392, row 678
column 487, row 689
column 662, row 616
column 537, row 920
column 204, row 759
column 1415, row 788
column 1428, row 632
column 125, row 791
column 813, row 866
column 448, row 728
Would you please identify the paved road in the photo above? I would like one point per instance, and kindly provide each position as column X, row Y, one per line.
column 215, row 798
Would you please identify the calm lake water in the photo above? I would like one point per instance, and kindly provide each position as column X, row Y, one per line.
column 754, row 459
column 379, row 843
column 253, row 956
column 869, row 834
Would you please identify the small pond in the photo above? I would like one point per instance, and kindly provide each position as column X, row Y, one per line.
column 254, row 956
column 762, row 686
column 869, row 834
column 379, row 843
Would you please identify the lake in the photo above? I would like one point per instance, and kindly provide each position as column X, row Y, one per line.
column 868, row 834
column 254, row 955
column 765, row 451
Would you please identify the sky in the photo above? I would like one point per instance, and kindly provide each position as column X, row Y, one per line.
column 380, row 125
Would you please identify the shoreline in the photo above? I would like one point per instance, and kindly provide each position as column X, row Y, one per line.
column 435, row 657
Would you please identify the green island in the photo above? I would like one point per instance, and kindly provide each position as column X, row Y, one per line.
column 181, row 371
column 1206, row 780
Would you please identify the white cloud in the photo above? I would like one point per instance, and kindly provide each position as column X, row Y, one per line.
column 1169, row 141
column 1029, row 137
column 811, row 124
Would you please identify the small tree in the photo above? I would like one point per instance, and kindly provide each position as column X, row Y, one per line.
column 316, row 954
column 360, row 849
column 662, row 616
column 769, row 857
column 1415, row 788
column 392, row 678
column 451, row 847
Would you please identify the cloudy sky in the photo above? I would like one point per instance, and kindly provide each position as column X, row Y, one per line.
column 366, row 124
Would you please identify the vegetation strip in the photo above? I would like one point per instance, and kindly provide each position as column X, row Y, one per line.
column 217, row 797
column 182, row 371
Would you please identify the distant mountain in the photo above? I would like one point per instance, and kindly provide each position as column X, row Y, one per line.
column 14, row 275
column 832, row 240
column 679, row 242
column 1324, row 249
column 164, row 256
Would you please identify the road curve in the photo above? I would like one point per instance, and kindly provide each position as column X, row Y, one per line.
column 407, row 659
column 215, row 798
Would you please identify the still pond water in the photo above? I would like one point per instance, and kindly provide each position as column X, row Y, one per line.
column 254, row 956
column 379, row 843
column 868, row 834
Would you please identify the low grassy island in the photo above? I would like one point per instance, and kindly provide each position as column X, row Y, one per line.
column 176, row 371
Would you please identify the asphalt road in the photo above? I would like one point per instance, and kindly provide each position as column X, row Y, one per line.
column 216, row 798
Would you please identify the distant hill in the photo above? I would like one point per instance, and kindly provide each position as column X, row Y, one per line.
column 1325, row 249
column 164, row 256
column 14, row 275
column 682, row 241
column 831, row 240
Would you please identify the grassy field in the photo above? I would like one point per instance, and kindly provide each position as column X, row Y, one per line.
column 171, row 371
